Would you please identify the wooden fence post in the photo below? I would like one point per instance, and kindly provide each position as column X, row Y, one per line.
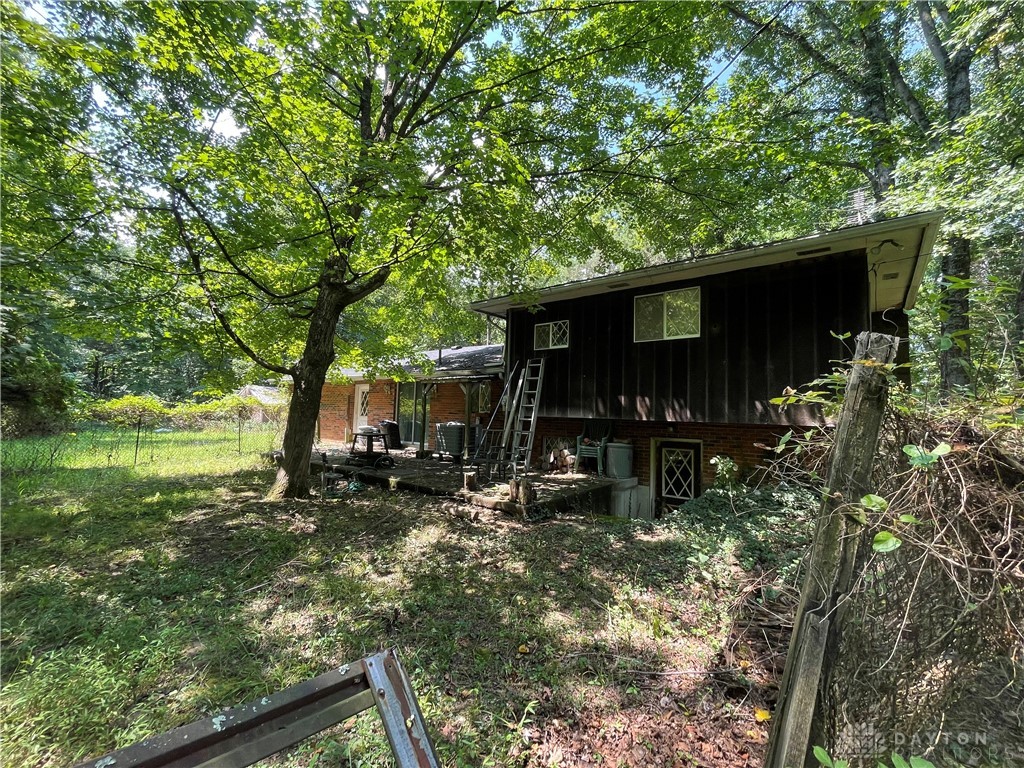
column 799, row 722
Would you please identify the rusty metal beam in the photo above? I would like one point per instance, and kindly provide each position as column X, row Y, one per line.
column 403, row 721
column 243, row 735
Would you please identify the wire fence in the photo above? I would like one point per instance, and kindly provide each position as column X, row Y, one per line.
column 933, row 650
column 931, row 656
column 160, row 448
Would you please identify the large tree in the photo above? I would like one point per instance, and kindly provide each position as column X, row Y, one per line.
column 293, row 159
column 883, row 85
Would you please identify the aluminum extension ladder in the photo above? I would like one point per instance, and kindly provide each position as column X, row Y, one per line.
column 523, row 423
column 243, row 735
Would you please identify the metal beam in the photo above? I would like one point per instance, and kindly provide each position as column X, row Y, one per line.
column 243, row 735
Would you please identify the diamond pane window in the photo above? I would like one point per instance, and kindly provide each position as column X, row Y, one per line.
column 551, row 335
column 670, row 315
column 682, row 313
column 677, row 475
column 649, row 314
column 364, row 402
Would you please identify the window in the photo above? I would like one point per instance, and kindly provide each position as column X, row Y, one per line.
column 551, row 335
column 483, row 394
column 670, row 315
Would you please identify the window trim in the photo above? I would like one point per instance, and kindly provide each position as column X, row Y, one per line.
column 664, row 315
column 552, row 346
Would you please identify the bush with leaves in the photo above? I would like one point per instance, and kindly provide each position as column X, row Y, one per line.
column 130, row 410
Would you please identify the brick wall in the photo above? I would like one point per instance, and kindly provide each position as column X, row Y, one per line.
column 737, row 441
column 382, row 402
column 448, row 403
column 337, row 408
column 336, row 411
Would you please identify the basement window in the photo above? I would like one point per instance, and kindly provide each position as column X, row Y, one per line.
column 669, row 315
column 551, row 335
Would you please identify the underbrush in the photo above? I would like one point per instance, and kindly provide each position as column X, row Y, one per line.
column 759, row 529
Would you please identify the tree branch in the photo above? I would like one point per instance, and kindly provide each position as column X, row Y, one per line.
column 801, row 41
column 931, row 35
column 222, row 247
column 211, row 301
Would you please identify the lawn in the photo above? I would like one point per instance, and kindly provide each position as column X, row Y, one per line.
column 138, row 600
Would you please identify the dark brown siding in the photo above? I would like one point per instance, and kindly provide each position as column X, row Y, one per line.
column 761, row 330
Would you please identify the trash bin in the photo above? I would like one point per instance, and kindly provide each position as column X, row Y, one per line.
column 390, row 429
column 618, row 461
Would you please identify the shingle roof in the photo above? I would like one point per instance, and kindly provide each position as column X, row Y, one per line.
column 264, row 395
column 482, row 359
column 458, row 362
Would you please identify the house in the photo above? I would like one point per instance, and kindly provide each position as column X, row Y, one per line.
column 463, row 383
column 683, row 358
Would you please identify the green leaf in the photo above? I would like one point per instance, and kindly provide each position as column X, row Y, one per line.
column 941, row 449
column 920, row 762
column 885, row 542
column 858, row 515
column 822, row 757
column 873, row 502
column 909, row 519
column 898, row 762
column 919, row 457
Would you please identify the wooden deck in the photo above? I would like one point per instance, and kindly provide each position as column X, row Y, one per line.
column 433, row 477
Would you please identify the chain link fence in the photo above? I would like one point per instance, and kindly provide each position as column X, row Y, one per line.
column 158, row 446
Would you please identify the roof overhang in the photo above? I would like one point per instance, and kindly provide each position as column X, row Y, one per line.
column 456, row 376
column 897, row 252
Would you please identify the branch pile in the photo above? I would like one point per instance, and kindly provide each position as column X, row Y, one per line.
column 933, row 644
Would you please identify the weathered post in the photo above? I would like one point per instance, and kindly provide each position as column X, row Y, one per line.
column 138, row 437
column 799, row 722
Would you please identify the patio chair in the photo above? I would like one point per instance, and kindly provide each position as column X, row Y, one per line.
column 593, row 441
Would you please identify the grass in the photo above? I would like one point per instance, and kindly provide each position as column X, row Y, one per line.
column 138, row 600
column 212, row 450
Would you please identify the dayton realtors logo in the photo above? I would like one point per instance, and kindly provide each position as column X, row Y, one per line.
column 863, row 740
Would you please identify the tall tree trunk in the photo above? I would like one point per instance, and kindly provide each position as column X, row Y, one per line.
column 1018, row 336
column 876, row 109
column 955, row 362
column 311, row 372
column 307, row 386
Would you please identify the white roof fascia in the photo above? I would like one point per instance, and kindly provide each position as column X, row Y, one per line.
column 860, row 237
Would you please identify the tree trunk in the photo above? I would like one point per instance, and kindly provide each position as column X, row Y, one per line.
column 307, row 387
column 955, row 362
column 310, row 373
column 1018, row 337
column 875, row 108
